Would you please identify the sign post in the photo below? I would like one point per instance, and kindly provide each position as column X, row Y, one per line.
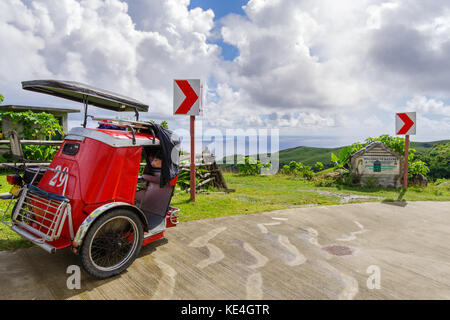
column 192, row 179
column 405, row 169
column 405, row 123
column 186, row 101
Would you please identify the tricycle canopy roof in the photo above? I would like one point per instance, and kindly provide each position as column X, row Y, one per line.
column 85, row 94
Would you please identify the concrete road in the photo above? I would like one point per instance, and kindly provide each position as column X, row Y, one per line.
column 353, row 251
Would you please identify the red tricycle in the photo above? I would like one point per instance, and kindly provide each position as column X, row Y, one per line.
column 91, row 197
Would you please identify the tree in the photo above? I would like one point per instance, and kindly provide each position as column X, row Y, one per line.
column 395, row 143
column 35, row 125
column 438, row 160
column 163, row 123
column 318, row 166
column 1, row 98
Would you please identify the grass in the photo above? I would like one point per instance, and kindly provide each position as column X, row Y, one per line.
column 258, row 194
column 430, row 193
column 9, row 240
column 253, row 194
column 264, row 193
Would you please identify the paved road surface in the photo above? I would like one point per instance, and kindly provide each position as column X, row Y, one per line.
column 302, row 253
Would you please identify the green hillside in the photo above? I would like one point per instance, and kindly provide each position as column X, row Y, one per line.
column 307, row 155
column 310, row 155
column 422, row 147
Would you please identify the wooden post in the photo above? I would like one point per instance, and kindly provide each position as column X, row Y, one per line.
column 192, row 184
column 405, row 169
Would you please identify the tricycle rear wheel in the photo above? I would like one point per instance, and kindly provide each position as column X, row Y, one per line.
column 112, row 243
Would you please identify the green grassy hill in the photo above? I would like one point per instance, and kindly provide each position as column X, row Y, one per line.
column 310, row 155
column 307, row 155
column 422, row 147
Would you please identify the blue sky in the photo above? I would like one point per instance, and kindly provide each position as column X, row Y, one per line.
column 221, row 9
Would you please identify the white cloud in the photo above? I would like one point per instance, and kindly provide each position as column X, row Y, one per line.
column 97, row 42
column 276, row 66
column 428, row 106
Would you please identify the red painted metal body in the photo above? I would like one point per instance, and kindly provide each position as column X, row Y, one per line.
column 97, row 174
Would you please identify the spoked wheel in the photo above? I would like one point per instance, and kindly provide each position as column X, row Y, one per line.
column 112, row 243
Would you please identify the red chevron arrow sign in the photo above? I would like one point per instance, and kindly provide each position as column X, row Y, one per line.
column 186, row 95
column 405, row 123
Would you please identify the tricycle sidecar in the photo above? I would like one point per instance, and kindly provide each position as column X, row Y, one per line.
column 91, row 197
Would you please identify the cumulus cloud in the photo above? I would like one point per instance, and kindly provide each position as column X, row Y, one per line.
column 410, row 45
column 98, row 42
column 343, row 65
column 430, row 106
column 277, row 67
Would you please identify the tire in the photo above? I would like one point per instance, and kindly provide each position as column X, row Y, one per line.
column 105, row 252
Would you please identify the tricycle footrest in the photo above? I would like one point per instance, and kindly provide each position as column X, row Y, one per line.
column 32, row 238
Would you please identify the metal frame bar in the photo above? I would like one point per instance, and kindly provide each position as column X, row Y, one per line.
column 85, row 103
column 172, row 211
column 55, row 213
column 48, row 232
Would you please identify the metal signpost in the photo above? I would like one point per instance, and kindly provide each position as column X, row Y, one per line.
column 186, row 101
column 405, row 123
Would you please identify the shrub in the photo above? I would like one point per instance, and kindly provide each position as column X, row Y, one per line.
column 297, row 169
column 346, row 179
column 324, row 182
column 44, row 153
column 439, row 181
column 285, row 170
column 342, row 158
column 370, row 182
column 318, row 166
column 418, row 167
column 251, row 166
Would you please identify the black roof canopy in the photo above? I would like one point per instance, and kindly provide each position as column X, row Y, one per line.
column 80, row 92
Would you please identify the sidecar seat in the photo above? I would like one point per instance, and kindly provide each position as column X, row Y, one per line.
column 154, row 200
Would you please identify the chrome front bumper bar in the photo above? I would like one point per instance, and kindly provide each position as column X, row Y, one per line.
column 39, row 242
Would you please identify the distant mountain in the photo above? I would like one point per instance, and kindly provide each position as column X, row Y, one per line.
column 310, row 155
